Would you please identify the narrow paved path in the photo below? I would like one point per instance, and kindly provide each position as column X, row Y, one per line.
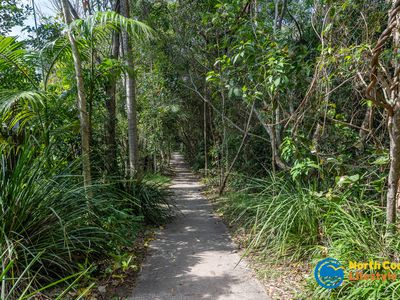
column 193, row 258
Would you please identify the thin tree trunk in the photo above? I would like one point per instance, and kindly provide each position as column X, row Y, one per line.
column 392, row 200
column 366, row 125
column 316, row 137
column 71, row 9
column 276, row 15
column 278, row 126
column 282, row 14
column 130, row 95
column 224, row 154
column 275, row 157
column 223, row 185
column 110, row 137
column 394, row 171
column 110, row 103
column 205, row 137
column 91, row 90
column 83, row 116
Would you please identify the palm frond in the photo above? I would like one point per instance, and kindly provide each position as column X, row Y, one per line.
column 12, row 54
column 59, row 53
column 113, row 21
column 8, row 98
column 52, row 53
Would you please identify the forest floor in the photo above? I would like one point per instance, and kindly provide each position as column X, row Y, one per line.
column 194, row 257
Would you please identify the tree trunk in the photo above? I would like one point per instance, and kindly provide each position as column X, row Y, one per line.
column 110, row 136
column 366, row 124
column 392, row 200
column 83, row 116
column 205, row 137
column 229, row 171
column 130, row 95
column 224, row 154
column 276, row 15
column 278, row 126
column 394, row 171
column 275, row 157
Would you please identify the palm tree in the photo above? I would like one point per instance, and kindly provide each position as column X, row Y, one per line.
column 130, row 30
column 130, row 95
column 83, row 115
column 13, row 55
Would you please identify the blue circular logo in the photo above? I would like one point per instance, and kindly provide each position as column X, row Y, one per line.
column 329, row 273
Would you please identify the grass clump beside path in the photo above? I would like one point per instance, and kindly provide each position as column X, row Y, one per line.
column 288, row 227
column 53, row 233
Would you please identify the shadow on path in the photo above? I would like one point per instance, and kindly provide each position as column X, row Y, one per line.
column 193, row 258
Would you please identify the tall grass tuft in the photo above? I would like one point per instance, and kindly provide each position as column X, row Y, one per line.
column 48, row 224
column 282, row 218
column 22, row 286
column 153, row 201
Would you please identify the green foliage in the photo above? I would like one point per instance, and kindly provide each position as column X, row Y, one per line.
column 303, row 167
column 302, row 67
column 21, row 287
column 48, row 224
column 12, row 14
column 101, row 21
column 152, row 199
column 51, row 226
column 13, row 56
column 48, row 30
column 281, row 218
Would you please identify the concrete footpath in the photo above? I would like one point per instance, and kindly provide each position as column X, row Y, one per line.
column 193, row 258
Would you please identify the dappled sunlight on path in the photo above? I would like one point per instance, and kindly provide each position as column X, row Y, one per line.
column 193, row 258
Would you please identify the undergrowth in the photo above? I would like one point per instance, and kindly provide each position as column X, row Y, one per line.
column 285, row 220
column 51, row 231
